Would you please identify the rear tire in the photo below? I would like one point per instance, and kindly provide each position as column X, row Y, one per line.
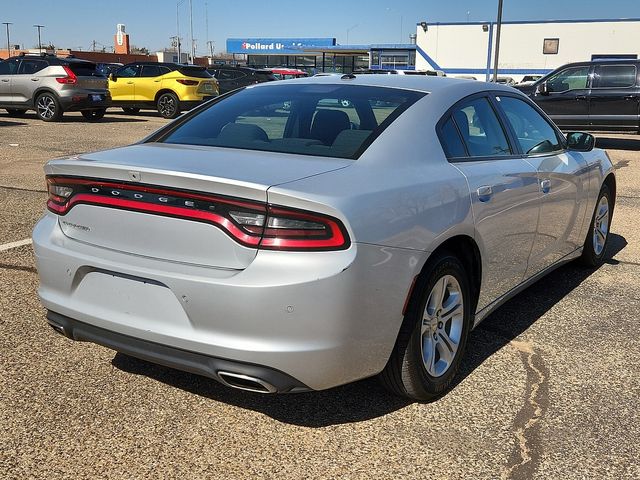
column 14, row 112
column 595, row 245
column 433, row 336
column 130, row 110
column 168, row 105
column 93, row 115
column 48, row 108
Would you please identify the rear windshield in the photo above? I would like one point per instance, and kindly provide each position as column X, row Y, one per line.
column 312, row 119
column 84, row 69
column 197, row 72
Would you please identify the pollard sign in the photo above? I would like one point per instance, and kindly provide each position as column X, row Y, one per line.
column 276, row 46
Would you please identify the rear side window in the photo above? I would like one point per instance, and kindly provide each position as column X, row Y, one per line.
column 28, row 67
column 615, row 76
column 320, row 120
column 480, row 129
column 83, row 69
column 150, row 71
column 535, row 135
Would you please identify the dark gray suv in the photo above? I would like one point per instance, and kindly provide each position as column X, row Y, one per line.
column 51, row 86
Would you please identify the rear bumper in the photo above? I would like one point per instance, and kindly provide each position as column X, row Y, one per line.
column 322, row 318
column 77, row 101
column 189, row 104
column 272, row 381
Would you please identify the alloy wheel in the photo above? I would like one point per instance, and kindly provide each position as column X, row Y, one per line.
column 601, row 226
column 167, row 106
column 442, row 325
column 46, row 107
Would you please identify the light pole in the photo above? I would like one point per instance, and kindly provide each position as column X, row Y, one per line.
column 348, row 30
column 39, row 41
column 193, row 45
column 8, row 43
column 499, row 25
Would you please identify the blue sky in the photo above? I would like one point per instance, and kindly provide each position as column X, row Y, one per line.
column 76, row 23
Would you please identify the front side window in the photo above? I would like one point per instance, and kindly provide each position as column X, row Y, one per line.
column 9, row 67
column 573, row 78
column 320, row 120
column 615, row 76
column 480, row 129
column 535, row 135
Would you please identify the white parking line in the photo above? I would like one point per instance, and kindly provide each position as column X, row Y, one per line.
column 8, row 246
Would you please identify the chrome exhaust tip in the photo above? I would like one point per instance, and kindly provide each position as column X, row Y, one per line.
column 246, row 382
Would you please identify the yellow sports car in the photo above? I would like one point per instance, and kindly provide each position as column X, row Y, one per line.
column 167, row 87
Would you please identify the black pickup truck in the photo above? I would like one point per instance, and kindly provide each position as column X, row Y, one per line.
column 596, row 95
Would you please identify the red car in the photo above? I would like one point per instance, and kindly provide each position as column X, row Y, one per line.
column 287, row 73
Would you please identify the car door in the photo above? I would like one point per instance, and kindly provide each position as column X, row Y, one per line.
column 567, row 98
column 615, row 98
column 8, row 68
column 563, row 179
column 225, row 79
column 148, row 83
column 122, row 85
column 26, row 81
column 503, row 188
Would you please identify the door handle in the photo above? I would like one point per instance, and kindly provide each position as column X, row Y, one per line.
column 156, row 81
column 5, row 80
column 630, row 97
column 129, row 83
column 545, row 186
column 35, row 79
column 484, row 193
column 581, row 97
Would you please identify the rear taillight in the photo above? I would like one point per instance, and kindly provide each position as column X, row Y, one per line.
column 250, row 223
column 70, row 79
column 184, row 81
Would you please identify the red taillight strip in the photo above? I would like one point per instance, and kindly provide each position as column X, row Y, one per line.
column 144, row 207
column 159, row 191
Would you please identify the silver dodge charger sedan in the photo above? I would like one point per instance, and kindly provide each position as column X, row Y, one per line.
column 300, row 235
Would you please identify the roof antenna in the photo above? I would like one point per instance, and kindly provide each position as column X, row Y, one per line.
column 347, row 76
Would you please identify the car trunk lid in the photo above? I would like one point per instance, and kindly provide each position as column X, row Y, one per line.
column 166, row 201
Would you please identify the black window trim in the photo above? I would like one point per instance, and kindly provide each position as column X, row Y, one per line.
column 514, row 147
column 596, row 77
column 512, row 134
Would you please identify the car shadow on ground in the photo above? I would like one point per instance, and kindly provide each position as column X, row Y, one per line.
column 614, row 143
column 366, row 399
column 4, row 123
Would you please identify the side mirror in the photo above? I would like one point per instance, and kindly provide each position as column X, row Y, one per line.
column 543, row 89
column 580, row 141
column 112, row 77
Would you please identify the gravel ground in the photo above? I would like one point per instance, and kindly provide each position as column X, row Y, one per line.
column 549, row 386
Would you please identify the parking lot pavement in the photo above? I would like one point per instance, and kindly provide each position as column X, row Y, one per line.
column 549, row 387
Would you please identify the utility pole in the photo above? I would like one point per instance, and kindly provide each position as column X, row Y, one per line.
column 39, row 41
column 499, row 25
column 210, row 45
column 193, row 45
column 8, row 43
column 178, row 3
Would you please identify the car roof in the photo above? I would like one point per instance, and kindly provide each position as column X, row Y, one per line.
column 52, row 59
column 420, row 83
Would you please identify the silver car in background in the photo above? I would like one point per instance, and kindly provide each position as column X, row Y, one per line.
column 277, row 240
column 52, row 85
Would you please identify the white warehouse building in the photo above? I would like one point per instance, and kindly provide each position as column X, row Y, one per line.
column 526, row 48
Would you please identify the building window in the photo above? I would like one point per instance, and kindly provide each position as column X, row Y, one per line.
column 550, row 46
